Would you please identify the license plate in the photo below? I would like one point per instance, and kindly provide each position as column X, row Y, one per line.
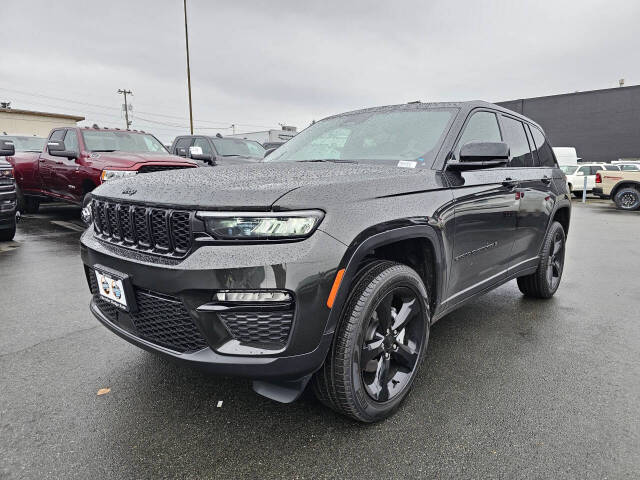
column 112, row 289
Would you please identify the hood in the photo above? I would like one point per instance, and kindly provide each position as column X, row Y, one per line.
column 129, row 160
column 263, row 185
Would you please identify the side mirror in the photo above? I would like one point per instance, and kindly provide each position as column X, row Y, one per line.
column 182, row 152
column 7, row 148
column 56, row 148
column 478, row 155
column 196, row 154
column 268, row 152
column 580, row 174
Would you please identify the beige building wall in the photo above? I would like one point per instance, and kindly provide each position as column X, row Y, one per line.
column 33, row 123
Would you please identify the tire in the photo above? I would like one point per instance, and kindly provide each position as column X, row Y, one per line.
column 8, row 234
column 372, row 390
column 85, row 214
column 544, row 282
column 577, row 194
column 27, row 204
column 627, row 198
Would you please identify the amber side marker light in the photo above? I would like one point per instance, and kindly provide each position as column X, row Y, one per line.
column 335, row 287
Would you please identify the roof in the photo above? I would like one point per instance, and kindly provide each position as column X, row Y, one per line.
column 467, row 106
column 41, row 114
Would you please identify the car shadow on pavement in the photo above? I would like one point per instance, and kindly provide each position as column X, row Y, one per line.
column 168, row 420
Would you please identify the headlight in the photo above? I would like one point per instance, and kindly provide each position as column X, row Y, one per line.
column 108, row 175
column 261, row 225
column 6, row 173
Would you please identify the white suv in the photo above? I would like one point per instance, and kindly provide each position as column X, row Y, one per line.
column 576, row 173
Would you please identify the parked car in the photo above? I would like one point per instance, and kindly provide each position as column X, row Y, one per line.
column 217, row 150
column 575, row 176
column 629, row 167
column 272, row 145
column 8, row 218
column 76, row 160
column 329, row 261
column 622, row 187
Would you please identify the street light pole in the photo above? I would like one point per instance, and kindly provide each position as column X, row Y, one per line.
column 186, row 38
column 126, row 106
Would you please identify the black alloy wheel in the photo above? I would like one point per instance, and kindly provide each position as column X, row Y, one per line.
column 379, row 344
column 544, row 282
column 555, row 262
column 392, row 343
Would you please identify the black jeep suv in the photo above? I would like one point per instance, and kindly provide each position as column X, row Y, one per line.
column 329, row 261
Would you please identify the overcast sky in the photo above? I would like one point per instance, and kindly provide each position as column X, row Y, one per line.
column 258, row 64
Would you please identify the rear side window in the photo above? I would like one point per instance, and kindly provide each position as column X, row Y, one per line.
column 596, row 168
column 543, row 149
column 516, row 136
column 611, row 167
column 629, row 167
column 482, row 127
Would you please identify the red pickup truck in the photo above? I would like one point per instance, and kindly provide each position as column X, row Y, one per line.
column 75, row 160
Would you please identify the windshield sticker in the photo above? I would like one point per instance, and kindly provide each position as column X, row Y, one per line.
column 407, row 164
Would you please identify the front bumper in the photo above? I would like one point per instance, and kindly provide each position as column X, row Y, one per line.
column 7, row 206
column 183, row 292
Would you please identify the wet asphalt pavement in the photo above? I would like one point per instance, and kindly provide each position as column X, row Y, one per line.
column 511, row 388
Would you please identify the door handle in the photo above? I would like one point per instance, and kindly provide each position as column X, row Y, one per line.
column 509, row 182
column 546, row 180
column 42, row 160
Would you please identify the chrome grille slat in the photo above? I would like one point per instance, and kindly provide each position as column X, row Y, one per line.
column 154, row 230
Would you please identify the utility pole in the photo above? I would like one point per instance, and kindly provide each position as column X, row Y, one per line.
column 126, row 106
column 186, row 39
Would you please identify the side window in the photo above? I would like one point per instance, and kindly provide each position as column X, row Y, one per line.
column 585, row 170
column 516, row 137
column 482, row 127
column 71, row 140
column 544, row 150
column 183, row 142
column 57, row 136
column 596, row 168
column 203, row 143
column 611, row 167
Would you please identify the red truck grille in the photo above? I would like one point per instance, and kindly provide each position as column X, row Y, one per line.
column 153, row 230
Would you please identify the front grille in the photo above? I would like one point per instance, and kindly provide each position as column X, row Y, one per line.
column 259, row 327
column 159, row 319
column 154, row 230
column 160, row 168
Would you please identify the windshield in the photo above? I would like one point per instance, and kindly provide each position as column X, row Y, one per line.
column 236, row 147
column 388, row 135
column 568, row 169
column 26, row 144
column 109, row 141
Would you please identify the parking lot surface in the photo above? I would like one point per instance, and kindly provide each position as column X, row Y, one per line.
column 511, row 387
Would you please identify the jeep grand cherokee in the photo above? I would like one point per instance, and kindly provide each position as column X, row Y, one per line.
column 328, row 262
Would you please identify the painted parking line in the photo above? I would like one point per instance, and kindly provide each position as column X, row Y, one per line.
column 71, row 226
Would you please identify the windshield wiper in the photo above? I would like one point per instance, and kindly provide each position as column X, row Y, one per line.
column 328, row 160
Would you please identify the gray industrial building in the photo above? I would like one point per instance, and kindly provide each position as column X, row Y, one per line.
column 602, row 125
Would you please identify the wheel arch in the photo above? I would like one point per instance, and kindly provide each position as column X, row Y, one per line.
column 418, row 246
column 87, row 186
column 623, row 184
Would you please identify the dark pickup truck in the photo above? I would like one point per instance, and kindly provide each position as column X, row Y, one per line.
column 8, row 218
column 217, row 150
column 76, row 160
column 328, row 262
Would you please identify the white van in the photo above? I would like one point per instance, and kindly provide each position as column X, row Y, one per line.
column 566, row 155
